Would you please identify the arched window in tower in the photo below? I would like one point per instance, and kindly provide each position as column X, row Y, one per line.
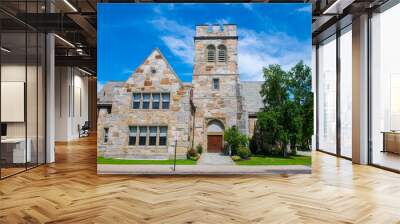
column 210, row 53
column 221, row 53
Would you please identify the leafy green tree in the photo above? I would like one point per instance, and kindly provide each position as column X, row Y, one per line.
column 269, row 134
column 308, row 122
column 300, row 84
column 287, row 116
column 234, row 139
column 275, row 89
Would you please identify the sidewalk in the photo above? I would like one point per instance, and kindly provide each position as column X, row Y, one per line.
column 201, row 169
column 215, row 159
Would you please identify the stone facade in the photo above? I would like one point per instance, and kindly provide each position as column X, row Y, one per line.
column 222, row 104
column 155, row 75
column 207, row 106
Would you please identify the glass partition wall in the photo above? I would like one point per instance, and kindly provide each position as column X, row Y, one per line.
column 22, row 94
column 385, row 89
column 327, row 95
column 345, row 61
column 334, row 94
column 334, row 91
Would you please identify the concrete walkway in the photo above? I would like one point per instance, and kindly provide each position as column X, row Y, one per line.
column 201, row 169
column 215, row 159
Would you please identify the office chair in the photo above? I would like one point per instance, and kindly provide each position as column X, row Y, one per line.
column 84, row 130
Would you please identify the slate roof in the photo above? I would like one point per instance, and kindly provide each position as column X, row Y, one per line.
column 252, row 100
column 108, row 87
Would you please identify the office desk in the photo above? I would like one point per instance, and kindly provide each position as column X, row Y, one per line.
column 13, row 150
column 391, row 141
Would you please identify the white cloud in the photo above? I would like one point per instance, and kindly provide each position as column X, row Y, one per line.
column 178, row 38
column 221, row 21
column 306, row 8
column 256, row 49
column 180, row 48
column 171, row 6
column 259, row 49
column 248, row 6
column 159, row 9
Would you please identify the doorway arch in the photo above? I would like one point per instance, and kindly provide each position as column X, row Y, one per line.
column 215, row 136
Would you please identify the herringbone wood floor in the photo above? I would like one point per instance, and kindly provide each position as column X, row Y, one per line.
column 70, row 191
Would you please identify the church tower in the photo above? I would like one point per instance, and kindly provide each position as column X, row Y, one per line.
column 215, row 84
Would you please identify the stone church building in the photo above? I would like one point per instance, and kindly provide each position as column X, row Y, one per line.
column 154, row 112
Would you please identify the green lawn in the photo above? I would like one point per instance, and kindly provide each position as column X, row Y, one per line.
column 102, row 160
column 270, row 160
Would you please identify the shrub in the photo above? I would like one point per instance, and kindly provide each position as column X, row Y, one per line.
column 235, row 139
column 253, row 145
column 244, row 152
column 191, row 153
column 194, row 158
column 199, row 149
column 235, row 158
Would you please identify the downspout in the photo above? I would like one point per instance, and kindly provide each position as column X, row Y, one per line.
column 193, row 125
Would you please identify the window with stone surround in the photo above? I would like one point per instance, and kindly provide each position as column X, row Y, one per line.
column 216, row 84
column 146, row 101
column 142, row 135
column 210, row 53
column 132, row 135
column 221, row 53
column 155, row 100
column 106, row 130
column 136, row 100
column 163, row 136
column 153, row 135
column 165, row 101
column 147, row 135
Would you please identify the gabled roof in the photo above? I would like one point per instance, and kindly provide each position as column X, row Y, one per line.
column 250, row 91
column 166, row 62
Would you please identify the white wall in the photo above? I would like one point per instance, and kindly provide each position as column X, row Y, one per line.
column 385, row 74
column 33, row 125
column 71, row 102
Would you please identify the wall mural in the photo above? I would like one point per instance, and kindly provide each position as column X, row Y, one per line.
column 204, row 88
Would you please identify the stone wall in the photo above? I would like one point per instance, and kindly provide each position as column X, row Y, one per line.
column 154, row 76
column 221, row 104
column 107, row 92
column 216, row 30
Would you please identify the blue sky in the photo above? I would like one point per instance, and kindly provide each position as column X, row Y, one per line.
column 268, row 34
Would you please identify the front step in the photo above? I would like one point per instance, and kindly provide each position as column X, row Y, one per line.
column 215, row 159
column 155, row 156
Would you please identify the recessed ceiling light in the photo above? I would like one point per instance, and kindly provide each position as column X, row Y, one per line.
column 70, row 5
column 5, row 50
column 64, row 40
column 338, row 6
column 84, row 71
